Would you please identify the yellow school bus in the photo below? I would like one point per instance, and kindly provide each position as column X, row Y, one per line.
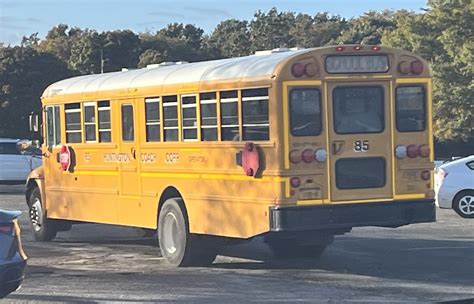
column 296, row 145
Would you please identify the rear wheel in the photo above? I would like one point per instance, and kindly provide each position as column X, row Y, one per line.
column 294, row 248
column 463, row 204
column 43, row 229
column 177, row 245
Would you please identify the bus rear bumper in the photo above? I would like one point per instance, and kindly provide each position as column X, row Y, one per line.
column 383, row 214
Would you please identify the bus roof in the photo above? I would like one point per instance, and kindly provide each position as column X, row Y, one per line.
column 260, row 65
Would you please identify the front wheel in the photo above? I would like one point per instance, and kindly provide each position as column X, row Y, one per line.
column 463, row 204
column 177, row 245
column 43, row 229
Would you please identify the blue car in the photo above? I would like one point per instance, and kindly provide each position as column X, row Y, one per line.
column 12, row 257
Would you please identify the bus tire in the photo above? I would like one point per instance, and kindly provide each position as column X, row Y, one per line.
column 291, row 249
column 178, row 246
column 44, row 229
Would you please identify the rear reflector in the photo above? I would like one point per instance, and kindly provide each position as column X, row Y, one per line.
column 425, row 175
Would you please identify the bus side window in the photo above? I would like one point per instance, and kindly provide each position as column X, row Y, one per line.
column 127, row 123
column 104, row 121
column 188, row 117
column 90, row 122
column 255, row 114
column 53, row 126
column 170, row 118
column 152, row 117
column 208, row 116
column 73, row 122
column 229, row 116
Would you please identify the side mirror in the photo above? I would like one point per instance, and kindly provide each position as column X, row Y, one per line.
column 34, row 123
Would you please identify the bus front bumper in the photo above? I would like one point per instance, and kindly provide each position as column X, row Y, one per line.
column 321, row 217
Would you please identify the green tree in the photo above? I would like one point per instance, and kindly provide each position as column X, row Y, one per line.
column 85, row 53
column 368, row 28
column 271, row 30
column 231, row 38
column 316, row 31
column 445, row 36
column 120, row 49
column 150, row 56
column 24, row 74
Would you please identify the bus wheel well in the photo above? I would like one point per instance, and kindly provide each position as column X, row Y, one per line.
column 30, row 186
column 169, row 192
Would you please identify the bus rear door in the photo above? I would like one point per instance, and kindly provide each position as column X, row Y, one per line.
column 360, row 143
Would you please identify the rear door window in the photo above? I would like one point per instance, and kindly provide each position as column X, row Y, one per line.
column 358, row 109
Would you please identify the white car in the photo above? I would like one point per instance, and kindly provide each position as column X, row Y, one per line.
column 15, row 163
column 454, row 185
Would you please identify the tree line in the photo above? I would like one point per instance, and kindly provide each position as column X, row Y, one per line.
column 442, row 34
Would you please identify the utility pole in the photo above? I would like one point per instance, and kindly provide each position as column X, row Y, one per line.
column 102, row 61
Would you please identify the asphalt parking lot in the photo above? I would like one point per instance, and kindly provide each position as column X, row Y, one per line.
column 422, row 263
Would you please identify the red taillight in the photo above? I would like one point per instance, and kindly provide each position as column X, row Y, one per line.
column 412, row 151
column 404, row 67
column 308, row 156
column 298, row 69
column 340, row 48
column 416, row 67
column 424, row 151
column 358, row 47
column 376, row 48
column 295, row 182
column 311, row 69
column 6, row 229
column 425, row 175
column 295, row 157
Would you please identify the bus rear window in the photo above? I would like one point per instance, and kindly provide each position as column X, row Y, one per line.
column 410, row 108
column 305, row 112
column 358, row 109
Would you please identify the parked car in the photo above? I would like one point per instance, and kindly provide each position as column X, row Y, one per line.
column 12, row 256
column 454, row 185
column 15, row 162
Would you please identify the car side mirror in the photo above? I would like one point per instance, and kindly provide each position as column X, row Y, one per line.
column 34, row 123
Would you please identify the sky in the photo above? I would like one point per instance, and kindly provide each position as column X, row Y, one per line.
column 20, row 18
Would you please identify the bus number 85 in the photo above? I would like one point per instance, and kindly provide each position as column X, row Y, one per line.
column 361, row 145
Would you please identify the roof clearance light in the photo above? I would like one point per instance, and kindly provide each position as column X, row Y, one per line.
column 311, row 69
column 340, row 48
column 401, row 151
column 358, row 47
column 376, row 48
column 298, row 69
column 416, row 67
